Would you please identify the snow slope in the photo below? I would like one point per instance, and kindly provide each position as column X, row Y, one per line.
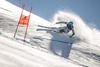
column 49, row 40
column 15, row 52
column 40, row 45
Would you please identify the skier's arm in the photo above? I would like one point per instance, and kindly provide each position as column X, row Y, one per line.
column 73, row 32
column 61, row 22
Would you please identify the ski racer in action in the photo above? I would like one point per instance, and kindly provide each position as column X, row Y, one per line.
column 69, row 27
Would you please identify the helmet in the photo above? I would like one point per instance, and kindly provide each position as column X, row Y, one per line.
column 71, row 22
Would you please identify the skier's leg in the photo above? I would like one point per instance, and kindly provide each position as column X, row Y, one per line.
column 67, row 30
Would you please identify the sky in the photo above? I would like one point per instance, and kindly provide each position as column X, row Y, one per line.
column 88, row 10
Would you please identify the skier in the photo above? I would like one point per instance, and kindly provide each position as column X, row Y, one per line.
column 69, row 27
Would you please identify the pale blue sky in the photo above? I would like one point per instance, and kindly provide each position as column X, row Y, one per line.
column 88, row 10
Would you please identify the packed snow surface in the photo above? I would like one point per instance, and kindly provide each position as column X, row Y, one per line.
column 46, row 48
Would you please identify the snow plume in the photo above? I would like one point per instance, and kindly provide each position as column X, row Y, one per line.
column 82, row 30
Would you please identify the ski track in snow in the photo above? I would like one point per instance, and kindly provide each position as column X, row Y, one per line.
column 21, row 55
